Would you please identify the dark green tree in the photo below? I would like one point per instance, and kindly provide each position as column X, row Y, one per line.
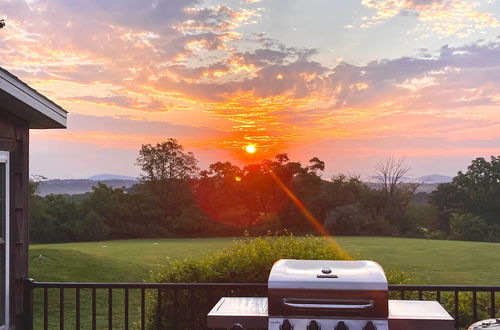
column 166, row 161
column 108, row 209
column 446, row 198
column 477, row 191
column 468, row 227
column 167, row 169
column 93, row 227
column 55, row 219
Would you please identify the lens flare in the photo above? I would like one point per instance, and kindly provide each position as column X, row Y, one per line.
column 308, row 215
column 251, row 148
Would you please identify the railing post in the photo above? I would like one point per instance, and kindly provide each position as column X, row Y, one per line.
column 28, row 304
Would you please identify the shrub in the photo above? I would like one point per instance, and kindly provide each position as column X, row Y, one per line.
column 248, row 260
column 437, row 234
column 419, row 220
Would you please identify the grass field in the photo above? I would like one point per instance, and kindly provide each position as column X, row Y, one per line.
column 113, row 261
column 428, row 261
column 431, row 261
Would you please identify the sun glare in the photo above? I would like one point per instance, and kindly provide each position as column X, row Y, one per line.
column 250, row 148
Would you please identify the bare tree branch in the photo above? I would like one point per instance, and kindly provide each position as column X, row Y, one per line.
column 389, row 174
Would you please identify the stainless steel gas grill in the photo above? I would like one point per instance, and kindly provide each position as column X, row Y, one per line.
column 322, row 294
column 328, row 295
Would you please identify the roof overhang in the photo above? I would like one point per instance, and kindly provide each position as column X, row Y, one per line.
column 25, row 102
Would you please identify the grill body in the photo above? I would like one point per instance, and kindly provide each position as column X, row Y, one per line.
column 329, row 294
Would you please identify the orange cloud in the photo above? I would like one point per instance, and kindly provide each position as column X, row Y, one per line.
column 198, row 70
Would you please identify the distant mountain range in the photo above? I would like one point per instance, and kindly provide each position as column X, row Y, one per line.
column 427, row 183
column 435, row 178
column 81, row 186
column 426, row 179
column 104, row 177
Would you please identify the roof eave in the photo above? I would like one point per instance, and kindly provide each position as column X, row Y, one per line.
column 25, row 102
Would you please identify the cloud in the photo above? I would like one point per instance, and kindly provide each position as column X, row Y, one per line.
column 151, row 15
column 445, row 17
column 433, row 81
column 216, row 19
column 128, row 44
column 263, row 71
column 120, row 100
column 135, row 126
column 136, row 57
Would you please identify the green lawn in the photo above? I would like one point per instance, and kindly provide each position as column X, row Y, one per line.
column 429, row 261
column 149, row 252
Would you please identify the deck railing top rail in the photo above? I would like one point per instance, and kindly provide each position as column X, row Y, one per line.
column 116, row 285
column 147, row 285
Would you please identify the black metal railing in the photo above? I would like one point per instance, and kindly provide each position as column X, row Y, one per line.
column 50, row 305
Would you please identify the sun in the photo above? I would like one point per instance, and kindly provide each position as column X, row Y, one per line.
column 250, row 148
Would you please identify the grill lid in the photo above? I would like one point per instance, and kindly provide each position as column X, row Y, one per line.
column 491, row 324
column 327, row 275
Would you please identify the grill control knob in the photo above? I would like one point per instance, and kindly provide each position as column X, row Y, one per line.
column 237, row 326
column 370, row 326
column 313, row 326
column 341, row 326
column 286, row 325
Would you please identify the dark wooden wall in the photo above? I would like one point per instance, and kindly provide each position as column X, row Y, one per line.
column 14, row 137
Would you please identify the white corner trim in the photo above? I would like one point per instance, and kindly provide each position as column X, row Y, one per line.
column 5, row 158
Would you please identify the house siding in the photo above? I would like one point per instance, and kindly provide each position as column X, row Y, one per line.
column 14, row 137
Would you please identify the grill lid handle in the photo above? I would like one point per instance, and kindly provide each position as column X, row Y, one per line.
column 337, row 305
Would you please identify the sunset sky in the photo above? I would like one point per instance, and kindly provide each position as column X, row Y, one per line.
column 348, row 81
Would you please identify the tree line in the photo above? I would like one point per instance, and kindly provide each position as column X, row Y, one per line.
column 175, row 199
